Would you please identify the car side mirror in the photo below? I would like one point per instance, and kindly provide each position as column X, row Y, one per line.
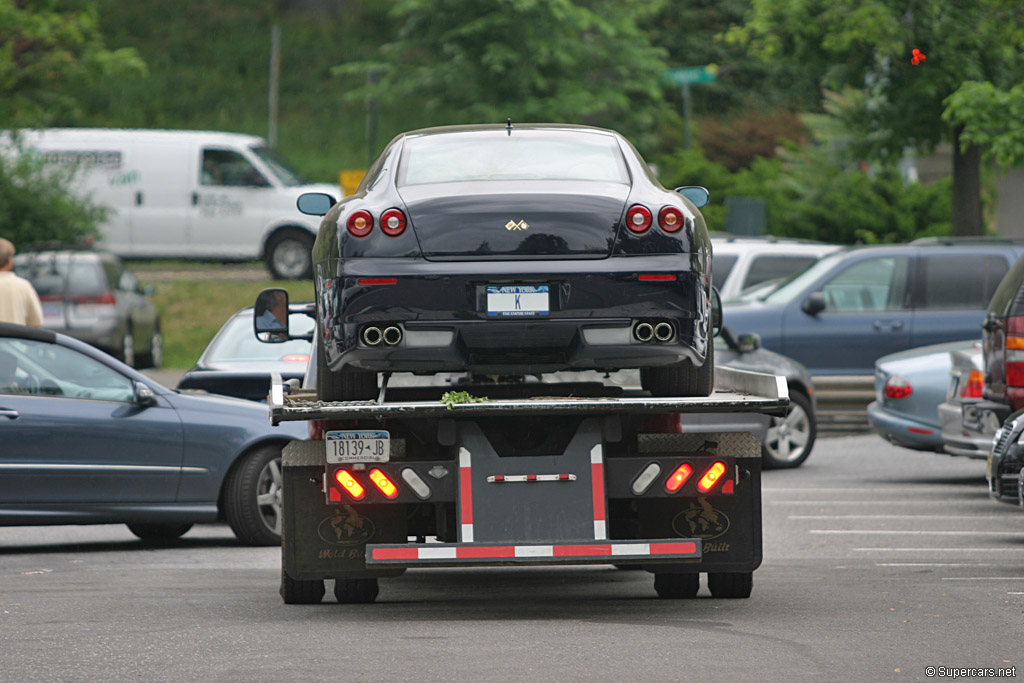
column 270, row 316
column 749, row 342
column 144, row 396
column 696, row 194
column 716, row 312
column 315, row 203
column 814, row 304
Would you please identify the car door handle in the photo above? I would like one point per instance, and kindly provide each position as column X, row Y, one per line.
column 9, row 414
column 195, row 199
column 138, row 198
column 894, row 325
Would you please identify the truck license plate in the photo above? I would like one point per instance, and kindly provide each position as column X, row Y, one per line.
column 512, row 301
column 346, row 447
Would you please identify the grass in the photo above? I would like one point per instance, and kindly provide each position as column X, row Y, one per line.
column 192, row 309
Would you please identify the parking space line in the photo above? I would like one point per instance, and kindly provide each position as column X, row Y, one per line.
column 964, row 549
column 943, row 503
column 983, row 578
column 918, row 516
column 913, row 532
column 932, row 564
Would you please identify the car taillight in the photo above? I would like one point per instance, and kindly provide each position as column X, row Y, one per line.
column 638, row 218
column 896, row 388
column 360, row 223
column 975, row 383
column 106, row 297
column 671, row 219
column 1015, row 351
column 392, row 222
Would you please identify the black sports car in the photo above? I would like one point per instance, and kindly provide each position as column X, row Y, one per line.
column 501, row 249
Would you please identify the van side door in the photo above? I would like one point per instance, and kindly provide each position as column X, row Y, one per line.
column 229, row 204
column 159, row 198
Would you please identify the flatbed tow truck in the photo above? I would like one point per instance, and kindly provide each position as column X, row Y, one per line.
column 567, row 473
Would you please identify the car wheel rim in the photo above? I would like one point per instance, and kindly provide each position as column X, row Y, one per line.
column 291, row 258
column 268, row 495
column 788, row 436
column 156, row 349
column 128, row 349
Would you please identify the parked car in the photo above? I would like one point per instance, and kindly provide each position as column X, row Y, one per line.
column 1003, row 336
column 91, row 296
column 909, row 386
column 512, row 249
column 88, row 440
column 1005, row 471
column 741, row 263
column 235, row 363
column 967, row 430
column 852, row 307
column 789, row 439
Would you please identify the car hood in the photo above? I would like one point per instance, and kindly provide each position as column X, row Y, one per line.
column 237, row 412
column 756, row 317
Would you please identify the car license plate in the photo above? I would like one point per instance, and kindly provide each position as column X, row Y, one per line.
column 53, row 313
column 358, row 446
column 971, row 417
column 511, row 301
column 988, row 468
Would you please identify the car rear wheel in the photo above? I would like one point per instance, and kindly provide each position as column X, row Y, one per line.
column 159, row 533
column 127, row 350
column 347, row 385
column 252, row 497
column 789, row 439
column 290, row 255
column 681, row 379
column 153, row 358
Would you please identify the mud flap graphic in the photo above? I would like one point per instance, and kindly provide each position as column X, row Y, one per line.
column 346, row 527
column 701, row 520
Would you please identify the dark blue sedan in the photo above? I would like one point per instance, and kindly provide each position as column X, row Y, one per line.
column 85, row 439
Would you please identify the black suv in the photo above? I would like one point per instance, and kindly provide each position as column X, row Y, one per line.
column 1003, row 334
column 91, row 296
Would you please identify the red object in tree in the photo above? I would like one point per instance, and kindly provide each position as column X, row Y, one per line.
column 916, row 56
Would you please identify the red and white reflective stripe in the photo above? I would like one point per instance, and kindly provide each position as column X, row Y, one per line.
column 508, row 478
column 465, row 497
column 443, row 552
column 597, row 481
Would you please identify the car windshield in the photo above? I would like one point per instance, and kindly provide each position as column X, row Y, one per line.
column 236, row 342
column 795, row 285
column 54, row 275
column 279, row 167
column 536, row 155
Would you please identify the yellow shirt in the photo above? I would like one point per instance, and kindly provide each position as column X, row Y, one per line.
column 19, row 302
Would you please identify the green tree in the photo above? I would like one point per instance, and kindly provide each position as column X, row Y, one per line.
column 869, row 45
column 531, row 60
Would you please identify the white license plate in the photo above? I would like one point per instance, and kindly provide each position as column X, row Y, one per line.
column 355, row 446
column 53, row 313
column 511, row 301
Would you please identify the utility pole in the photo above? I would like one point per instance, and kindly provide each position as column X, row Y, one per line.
column 275, row 81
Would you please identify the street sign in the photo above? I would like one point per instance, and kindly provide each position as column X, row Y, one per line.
column 692, row 74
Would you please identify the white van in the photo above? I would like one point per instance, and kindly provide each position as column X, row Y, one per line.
column 189, row 194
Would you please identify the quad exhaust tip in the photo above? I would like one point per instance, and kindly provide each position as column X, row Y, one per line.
column 392, row 335
column 372, row 336
column 643, row 332
column 663, row 331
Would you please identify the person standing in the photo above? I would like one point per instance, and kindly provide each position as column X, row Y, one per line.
column 19, row 302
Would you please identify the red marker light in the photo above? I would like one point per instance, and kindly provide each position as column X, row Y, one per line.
column 678, row 478
column 711, row 477
column 349, row 484
column 385, row 485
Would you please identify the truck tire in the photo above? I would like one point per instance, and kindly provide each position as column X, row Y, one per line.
column 676, row 586
column 347, row 385
column 729, row 585
column 790, row 438
column 356, row 591
column 296, row 592
column 252, row 497
column 681, row 379
column 289, row 255
column 159, row 533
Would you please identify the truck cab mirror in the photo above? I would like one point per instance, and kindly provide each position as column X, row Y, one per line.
column 315, row 203
column 696, row 194
column 270, row 316
column 814, row 304
column 716, row 312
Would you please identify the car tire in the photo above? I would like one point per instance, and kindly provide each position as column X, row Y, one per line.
column 356, row 591
column 289, row 255
column 159, row 533
column 730, row 585
column 126, row 354
column 790, row 439
column 300, row 592
column 347, row 385
column 681, row 379
column 153, row 358
column 676, row 586
column 252, row 497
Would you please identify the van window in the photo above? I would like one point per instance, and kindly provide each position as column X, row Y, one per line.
column 279, row 167
column 764, row 268
column 961, row 281
column 226, row 168
column 721, row 266
column 877, row 284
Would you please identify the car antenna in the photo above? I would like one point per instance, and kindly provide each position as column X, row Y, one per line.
column 508, row 125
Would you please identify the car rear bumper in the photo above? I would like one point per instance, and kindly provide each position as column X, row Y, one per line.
column 957, row 438
column 903, row 431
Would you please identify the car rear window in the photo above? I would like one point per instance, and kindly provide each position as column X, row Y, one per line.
column 961, row 281
column 56, row 277
column 490, row 155
column 764, row 268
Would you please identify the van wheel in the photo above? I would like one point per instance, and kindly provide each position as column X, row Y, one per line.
column 347, row 385
column 127, row 350
column 154, row 358
column 681, row 379
column 290, row 255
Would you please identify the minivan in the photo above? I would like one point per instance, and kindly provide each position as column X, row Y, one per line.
column 188, row 194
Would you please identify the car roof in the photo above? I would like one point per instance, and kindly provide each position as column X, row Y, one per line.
column 503, row 127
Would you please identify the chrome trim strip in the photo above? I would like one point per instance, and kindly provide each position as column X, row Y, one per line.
column 109, row 468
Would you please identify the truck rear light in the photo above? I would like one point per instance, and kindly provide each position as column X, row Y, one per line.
column 638, row 218
column 897, row 387
column 383, row 484
column 416, row 483
column 106, row 297
column 657, row 277
column 975, row 383
column 378, row 281
column 360, row 223
column 350, row 485
column 392, row 222
column 678, row 478
column 646, row 478
column 670, row 219
column 711, row 477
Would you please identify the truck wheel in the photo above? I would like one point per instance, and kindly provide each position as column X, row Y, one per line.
column 159, row 533
column 675, row 586
column 296, row 592
column 289, row 255
column 347, row 385
column 790, row 438
column 730, row 584
column 356, row 591
column 252, row 497
column 681, row 379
